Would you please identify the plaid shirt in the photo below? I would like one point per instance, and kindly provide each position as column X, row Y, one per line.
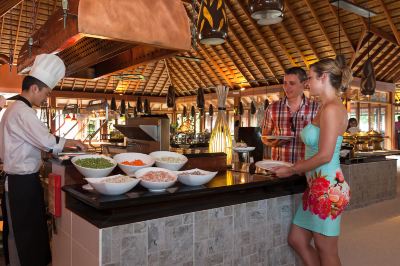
column 280, row 121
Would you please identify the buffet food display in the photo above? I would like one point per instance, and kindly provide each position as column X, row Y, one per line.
column 138, row 168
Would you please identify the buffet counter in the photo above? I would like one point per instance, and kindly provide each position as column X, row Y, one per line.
column 237, row 218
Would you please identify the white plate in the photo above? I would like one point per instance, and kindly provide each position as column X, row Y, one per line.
column 280, row 137
column 157, row 155
column 195, row 180
column 268, row 164
column 244, row 149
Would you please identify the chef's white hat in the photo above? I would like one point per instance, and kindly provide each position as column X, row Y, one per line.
column 49, row 69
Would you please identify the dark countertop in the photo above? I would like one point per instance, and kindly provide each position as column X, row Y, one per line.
column 139, row 204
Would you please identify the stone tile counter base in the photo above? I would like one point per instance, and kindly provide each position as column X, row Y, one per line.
column 252, row 233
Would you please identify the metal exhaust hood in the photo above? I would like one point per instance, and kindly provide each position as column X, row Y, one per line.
column 102, row 37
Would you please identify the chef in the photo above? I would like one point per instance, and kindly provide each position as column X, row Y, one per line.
column 22, row 138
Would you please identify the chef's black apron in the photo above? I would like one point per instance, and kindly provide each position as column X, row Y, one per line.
column 28, row 216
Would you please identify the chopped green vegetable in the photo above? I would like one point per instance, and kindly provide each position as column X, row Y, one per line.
column 96, row 163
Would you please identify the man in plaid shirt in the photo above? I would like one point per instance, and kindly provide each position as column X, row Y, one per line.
column 288, row 117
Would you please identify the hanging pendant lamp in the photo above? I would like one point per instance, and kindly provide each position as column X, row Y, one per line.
column 113, row 104
column 184, row 112
column 123, row 107
column 171, row 97
column 211, row 110
column 139, row 105
column 200, row 98
column 368, row 80
column 241, row 109
column 192, row 111
column 266, row 12
column 253, row 108
column 212, row 24
column 146, row 105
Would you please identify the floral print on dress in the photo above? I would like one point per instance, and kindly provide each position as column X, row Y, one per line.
column 325, row 199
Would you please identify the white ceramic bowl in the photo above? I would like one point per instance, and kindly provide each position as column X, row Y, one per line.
column 195, row 180
column 157, row 155
column 91, row 172
column 155, row 186
column 112, row 188
column 131, row 156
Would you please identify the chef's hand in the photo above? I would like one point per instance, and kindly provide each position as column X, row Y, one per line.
column 283, row 171
column 71, row 143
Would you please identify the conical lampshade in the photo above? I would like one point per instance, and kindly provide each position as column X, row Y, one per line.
column 213, row 22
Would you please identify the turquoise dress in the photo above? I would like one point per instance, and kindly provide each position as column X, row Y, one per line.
column 327, row 194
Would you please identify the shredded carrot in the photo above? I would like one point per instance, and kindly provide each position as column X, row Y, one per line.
column 133, row 163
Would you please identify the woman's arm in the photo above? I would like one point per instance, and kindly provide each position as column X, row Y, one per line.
column 330, row 128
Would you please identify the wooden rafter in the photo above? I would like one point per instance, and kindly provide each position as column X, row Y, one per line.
column 173, row 76
column 340, row 23
column 234, row 64
column 374, row 55
column 390, row 21
column 163, row 86
column 1, row 30
column 359, row 45
column 140, row 81
column 295, row 45
column 201, row 73
column 392, row 61
column 73, row 84
column 150, row 77
column 365, row 52
column 62, row 84
column 257, row 28
column 391, row 68
column 300, row 27
column 18, row 28
column 216, row 66
column 218, row 57
column 187, row 78
column 187, row 65
column 245, row 51
column 158, row 79
column 248, row 37
column 321, row 26
column 206, row 65
column 392, row 74
column 183, row 69
column 283, row 47
column 179, row 74
column 382, row 58
column 105, row 88
column 252, row 76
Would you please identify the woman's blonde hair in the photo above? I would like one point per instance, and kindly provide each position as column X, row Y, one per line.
column 340, row 76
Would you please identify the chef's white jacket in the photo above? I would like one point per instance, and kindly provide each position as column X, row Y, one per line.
column 22, row 138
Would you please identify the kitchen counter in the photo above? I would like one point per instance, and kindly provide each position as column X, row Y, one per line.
column 235, row 218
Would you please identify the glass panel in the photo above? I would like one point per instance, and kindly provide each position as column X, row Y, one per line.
column 363, row 123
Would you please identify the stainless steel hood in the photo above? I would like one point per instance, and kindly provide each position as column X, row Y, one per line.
column 105, row 36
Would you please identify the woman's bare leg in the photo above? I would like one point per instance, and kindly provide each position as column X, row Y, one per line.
column 300, row 240
column 328, row 251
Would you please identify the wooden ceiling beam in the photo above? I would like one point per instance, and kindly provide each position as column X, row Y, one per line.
column 257, row 28
column 340, row 23
column 232, row 74
column 391, row 62
column 393, row 66
column 372, row 56
column 18, row 28
column 282, row 46
column 100, row 96
column 200, row 73
column 181, row 76
column 1, row 30
column 85, row 85
column 163, row 86
column 359, row 45
column 245, row 32
column 187, row 65
column 298, row 24
column 137, row 84
column 150, row 77
column 392, row 75
column 178, row 83
column 216, row 66
column 205, row 64
column 234, row 64
column 62, row 84
column 390, row 21
column 237, row 54
column 361, row 56
column 158, row 80
column 321, row 26
column 105, row 88
column 73, row 85
column 382, row 58
column 7, row 5
column 307, row 64
column 179, row 67
column 246, row 52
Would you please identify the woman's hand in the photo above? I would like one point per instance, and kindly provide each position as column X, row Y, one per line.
column 283, row 171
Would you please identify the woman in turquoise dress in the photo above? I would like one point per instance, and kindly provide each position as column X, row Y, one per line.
column 318, row 216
